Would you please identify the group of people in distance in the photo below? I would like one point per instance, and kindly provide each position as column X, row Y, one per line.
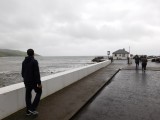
column 143, row 60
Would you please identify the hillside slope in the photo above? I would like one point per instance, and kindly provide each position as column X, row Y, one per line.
column 8, row 52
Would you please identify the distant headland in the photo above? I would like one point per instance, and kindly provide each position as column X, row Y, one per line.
column 11, row 53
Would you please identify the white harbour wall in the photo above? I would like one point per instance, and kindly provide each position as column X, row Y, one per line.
column 12, row 98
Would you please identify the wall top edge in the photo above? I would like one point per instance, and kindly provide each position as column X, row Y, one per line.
column 16, row 86
column 11, row 87
column 69, row 71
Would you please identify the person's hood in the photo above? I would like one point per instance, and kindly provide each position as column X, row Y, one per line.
column 28, row 59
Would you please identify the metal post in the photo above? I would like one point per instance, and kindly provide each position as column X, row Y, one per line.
column 108, row 53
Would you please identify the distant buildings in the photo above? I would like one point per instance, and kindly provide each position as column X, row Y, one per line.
column 120, row 54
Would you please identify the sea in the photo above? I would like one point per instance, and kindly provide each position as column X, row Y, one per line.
column 10, row 67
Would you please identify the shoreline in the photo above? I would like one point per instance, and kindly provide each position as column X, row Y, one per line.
column 12, row 77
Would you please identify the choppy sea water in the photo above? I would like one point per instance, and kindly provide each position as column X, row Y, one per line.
column 10, row 67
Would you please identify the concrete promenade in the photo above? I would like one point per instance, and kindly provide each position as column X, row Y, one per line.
column 63, row 104
column 131, row 95
column 120, row 99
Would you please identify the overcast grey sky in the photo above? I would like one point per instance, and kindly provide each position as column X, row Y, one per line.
column 80, row 27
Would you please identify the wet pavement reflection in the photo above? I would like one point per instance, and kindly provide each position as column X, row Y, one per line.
column 132, row 95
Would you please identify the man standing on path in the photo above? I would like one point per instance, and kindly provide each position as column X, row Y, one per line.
column 31, row 77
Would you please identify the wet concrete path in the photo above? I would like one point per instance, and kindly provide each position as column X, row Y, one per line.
column 132, row 95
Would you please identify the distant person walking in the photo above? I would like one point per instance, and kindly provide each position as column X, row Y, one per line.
column 31, row 77
column 137, row 59
column 111, row 58
column 144, row 63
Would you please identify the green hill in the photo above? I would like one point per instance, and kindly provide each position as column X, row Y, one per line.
column 7, row 52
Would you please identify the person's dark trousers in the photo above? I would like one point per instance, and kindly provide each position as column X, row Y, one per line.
column 29, row 104
column 137, row 64
column 144, row 66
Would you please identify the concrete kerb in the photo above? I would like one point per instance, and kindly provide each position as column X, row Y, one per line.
column 94, row 95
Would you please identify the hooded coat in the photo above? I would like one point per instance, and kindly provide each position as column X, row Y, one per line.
column 30, row 71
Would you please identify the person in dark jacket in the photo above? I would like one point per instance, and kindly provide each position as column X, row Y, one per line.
column 31, row 77
column 144, row 63
column 137, row 59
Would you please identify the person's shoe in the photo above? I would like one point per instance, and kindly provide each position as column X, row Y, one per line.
column 28, row 113
column 33, row 112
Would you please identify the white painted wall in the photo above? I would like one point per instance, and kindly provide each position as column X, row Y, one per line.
column 120, row 56
column 12, row 98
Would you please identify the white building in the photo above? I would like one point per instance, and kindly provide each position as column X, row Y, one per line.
column 120, row 54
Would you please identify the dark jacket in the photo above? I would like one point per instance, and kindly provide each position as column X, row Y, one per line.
column 30, row 71
column 144, row 60
column 137, row 59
